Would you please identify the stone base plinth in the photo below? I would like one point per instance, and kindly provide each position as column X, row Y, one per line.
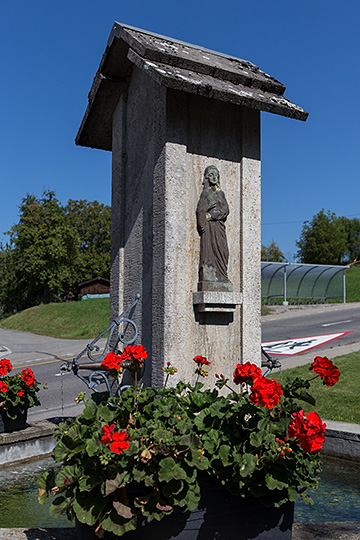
column 216, row 301
column 215, row 286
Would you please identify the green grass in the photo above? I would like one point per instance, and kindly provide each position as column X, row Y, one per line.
column 68, row 320
column 339, row 402
column 352, row 276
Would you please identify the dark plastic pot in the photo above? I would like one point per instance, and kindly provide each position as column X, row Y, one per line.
column 16, row 424
column 219, row 516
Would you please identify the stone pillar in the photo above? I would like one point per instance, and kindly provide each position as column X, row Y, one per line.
column 167, row 110
column 163, row 141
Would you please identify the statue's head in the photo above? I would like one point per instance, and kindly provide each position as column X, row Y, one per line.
column 211, row 176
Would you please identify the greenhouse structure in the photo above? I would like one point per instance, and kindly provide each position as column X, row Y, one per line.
column 295, row 283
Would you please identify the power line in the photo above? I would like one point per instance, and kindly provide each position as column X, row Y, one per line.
column 282, row 223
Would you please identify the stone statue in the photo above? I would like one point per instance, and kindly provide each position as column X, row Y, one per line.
column 211, row 213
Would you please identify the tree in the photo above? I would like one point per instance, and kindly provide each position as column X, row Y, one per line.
column 42, row 251
column 51, row 249
column 351, row 229
column 91, row 221
column 322, row 240
column 272, row 253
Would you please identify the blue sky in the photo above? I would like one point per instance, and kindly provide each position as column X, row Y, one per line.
column 50, row 52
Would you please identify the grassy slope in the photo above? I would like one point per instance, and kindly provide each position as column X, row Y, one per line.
column 85, row 320
column 338, row 402
column 70, row 320
column 353, row 284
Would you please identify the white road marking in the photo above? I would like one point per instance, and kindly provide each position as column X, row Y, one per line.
column 4, row 351
column 289, row 347
column 335, row 323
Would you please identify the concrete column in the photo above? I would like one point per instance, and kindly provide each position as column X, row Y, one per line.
column 251, row 237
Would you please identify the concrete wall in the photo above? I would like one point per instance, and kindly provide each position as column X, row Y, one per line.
column 162, row 142
column 138, row 177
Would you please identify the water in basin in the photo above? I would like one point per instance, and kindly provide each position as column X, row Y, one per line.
column 337, row 499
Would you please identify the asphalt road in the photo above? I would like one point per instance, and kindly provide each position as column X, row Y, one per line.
column 314, row 321
column 45, row 355
column 300, row 322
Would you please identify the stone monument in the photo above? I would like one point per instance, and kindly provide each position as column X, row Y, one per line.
column 211, row 213
column 169, row 111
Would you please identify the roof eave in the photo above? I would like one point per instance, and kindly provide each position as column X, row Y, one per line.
column 114, row 72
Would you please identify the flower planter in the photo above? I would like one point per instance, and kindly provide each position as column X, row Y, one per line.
column 15, row 424
column 219, row 515
column 177, row 447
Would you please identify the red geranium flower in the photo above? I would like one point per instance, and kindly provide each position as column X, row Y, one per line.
column 324, row 367
column 120, row 442
column 28, row 377
column 309, row 429
column 201, row 361
column 134, row 352
column 20, row 393
column 5, row 366
column 265, row 391
column 246, row 373
column 107, row 432
column 112, row 361
column 3, row 387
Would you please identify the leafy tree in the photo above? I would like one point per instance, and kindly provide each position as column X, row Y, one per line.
column 272, row 253
column 91, row 221
column 42, row 251
column 51, row 249
column 322, row 240
column 351, row 229
column 8, row 284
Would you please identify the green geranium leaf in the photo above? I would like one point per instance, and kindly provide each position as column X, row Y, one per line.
column 188, row 499
column 90, row 409
column 203, row 421
column 123, row 510
column 170, row 470
column 59, row 506
column 92, row 446
column 47, row 480
column 212, row 440
column 173, row 488
column 118, row 525
column 257, row 438
column 272, row 483
column 106, row 414
column 45, row 484
column 88, row 507
column 87, row 483
column 247, row 464
column 294, row 495
column 67, row 475
column 61, row 451
column 224, row 452
column 139, row 475
column 305, row 498
column 118, row 481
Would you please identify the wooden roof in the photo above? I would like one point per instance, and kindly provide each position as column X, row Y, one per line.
column 180, row 66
